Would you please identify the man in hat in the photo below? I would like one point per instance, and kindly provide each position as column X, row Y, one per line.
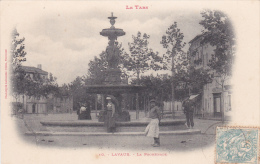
column 152, row 129
column 188, row 111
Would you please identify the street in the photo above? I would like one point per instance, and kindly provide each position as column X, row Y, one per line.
column 168, row 142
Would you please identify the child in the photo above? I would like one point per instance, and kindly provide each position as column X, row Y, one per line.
column 152, row 130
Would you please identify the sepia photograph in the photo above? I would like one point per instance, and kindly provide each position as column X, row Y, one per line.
column 139, row 81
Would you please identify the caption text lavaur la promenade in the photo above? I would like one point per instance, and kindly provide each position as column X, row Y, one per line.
column 132, row 154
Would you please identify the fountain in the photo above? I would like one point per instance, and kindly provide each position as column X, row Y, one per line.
column 113, row 85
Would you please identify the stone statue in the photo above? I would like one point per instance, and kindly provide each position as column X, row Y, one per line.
column 112, row 54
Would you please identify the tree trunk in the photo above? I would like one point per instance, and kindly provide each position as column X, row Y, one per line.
column 148, row 105
column 138, row 78
column 95, row 104
column 23, row 101
column 144, row 106
column 103, row 102
column 137, row 101
column 137, row 106
column 222, row 104
column 172, row 103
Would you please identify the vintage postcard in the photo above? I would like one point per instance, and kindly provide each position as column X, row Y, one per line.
column 129, row 81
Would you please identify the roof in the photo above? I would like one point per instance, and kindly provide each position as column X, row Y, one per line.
column 196, row 37
column 28, row 69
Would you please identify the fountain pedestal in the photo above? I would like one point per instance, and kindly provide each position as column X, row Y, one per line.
column 112, row 76
column 112, row 86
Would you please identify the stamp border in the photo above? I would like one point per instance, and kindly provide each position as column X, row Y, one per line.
column 237, row 127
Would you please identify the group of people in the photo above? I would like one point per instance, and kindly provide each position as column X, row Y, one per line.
column 152, row 129
column 84, row 113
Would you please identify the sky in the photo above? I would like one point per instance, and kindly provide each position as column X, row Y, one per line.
column 63, row 39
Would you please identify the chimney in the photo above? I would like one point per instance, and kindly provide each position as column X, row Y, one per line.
column 39, row 66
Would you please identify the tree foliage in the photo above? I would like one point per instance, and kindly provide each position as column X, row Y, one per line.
column 18, row 80
column 186, row 81
column 173, row 43
column 218, row 32
column 190, row 81
column 156, row 87
column 17, row 49
column 78, row 91
column 97, row 68
column 141, row 58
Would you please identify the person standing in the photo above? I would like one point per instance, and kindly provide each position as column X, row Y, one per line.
column 152, row 129
column 82, row 112
column 189, row 111
column 88, row 111
column 110, row 121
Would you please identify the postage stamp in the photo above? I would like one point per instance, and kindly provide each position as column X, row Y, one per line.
column 237, row 145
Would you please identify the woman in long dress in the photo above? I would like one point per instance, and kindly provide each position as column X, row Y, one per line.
column 110, row 119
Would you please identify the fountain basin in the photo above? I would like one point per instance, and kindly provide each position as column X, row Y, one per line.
column 90, row 126
column 112, row 32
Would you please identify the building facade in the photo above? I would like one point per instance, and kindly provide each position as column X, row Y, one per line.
column 216, row 92
column 41, row 104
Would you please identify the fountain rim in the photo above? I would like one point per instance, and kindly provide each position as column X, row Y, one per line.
column 115, row 31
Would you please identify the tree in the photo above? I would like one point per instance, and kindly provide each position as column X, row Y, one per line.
column 78, row 91
column 190, row 81
column 18, row 80
column 218, row 32
column 48, row 86
column 22, row 83
column 157, row 87
column 17, row 49
column 97, row 68
column 173, row 43
column 141, row 58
